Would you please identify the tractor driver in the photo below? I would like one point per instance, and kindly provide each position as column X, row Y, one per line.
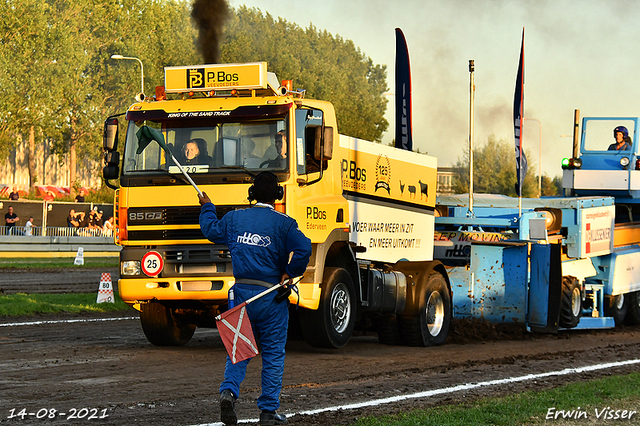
column 623, row 142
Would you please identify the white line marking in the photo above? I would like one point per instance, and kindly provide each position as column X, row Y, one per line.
column 451, row 389
column 16, row 324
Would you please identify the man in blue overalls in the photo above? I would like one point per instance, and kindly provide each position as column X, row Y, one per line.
column 267, row 248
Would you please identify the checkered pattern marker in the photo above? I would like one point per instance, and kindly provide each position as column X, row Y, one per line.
column 235, row 329
column 105, row 290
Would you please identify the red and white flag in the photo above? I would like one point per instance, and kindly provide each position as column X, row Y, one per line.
column 236, row 333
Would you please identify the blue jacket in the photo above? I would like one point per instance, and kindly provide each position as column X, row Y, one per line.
column 260, row 240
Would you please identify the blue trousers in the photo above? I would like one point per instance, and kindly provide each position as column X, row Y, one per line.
column 269, row 321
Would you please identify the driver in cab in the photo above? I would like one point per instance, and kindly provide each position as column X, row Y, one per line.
column 192, row 154
column 623, row 142
column 276, row 154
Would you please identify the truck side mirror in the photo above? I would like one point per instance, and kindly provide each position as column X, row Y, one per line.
column 328, row 143
column 110, row 172
column 112, row 158
column 110, row 134
column 111, row 169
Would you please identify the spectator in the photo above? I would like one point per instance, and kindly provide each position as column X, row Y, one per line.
column 80, row 196
column 10, row 219
column 107, row 229
column 94, row 222
column 14, row 195
column 28, row 227
column 74, row 219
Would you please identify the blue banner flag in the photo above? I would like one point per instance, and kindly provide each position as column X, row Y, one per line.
column 518, row 121
column 404, row 139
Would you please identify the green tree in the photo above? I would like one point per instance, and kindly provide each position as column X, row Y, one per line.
column 494, row 170
column 26, row 35
column 57, row 81
column 551, row 187
column 327, row 67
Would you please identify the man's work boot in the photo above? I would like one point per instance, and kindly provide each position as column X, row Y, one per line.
column 270, row 418
column 227, row 408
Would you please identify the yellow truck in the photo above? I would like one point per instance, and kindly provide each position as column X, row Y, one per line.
column 368, row 209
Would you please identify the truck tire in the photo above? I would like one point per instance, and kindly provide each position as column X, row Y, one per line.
column 633, row 313
column 616, row 307
column 331, row 325
column 431, row 326
column 571, row 304
column 161, row 328
column 388, row 330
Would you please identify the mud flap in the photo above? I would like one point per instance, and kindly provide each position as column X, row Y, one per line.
column 545, row 288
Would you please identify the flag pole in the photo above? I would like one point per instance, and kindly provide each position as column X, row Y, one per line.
column 147, row 134
column 472, row 89
column 264, row 293
column 184, row 172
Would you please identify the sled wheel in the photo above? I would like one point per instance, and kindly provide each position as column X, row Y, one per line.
column 633, row 314
column 571, row 305
column 616, row 307
column 161, row 327
column 331, row 325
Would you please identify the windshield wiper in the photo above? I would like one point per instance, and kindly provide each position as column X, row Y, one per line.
column 165, row 171
column 253, row 176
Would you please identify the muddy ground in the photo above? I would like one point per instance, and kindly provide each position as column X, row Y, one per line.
column 110, row 367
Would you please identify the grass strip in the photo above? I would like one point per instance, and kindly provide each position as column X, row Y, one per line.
column 40, row 303
column 600, row 400
column 58, row 262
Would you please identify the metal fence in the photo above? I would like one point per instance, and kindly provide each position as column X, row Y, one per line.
column 51, row 231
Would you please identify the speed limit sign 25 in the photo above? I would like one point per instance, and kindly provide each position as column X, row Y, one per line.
column 152, row 263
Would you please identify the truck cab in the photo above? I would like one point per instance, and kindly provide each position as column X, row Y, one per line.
column 600, row 168
column 372, row 240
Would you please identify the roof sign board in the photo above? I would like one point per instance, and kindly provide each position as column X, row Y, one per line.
column 197, row 78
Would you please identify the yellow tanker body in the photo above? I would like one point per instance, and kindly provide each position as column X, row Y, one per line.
column 367, row 208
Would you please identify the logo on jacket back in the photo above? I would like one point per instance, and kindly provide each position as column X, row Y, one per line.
column 253, row 240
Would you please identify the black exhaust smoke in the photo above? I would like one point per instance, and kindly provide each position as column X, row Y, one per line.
column 210, row 16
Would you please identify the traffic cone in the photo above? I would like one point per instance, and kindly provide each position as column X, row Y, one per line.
column 105, row 289
column 79, row 257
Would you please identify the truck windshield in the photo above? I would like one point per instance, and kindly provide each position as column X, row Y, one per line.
column 206, row 146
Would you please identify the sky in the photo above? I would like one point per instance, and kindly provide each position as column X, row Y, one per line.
column 578, row 55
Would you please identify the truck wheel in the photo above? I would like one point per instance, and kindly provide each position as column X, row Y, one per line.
column 388, row 330
column 571, row 304
column 161, row 328
column 633, row 314
column 616, row 307
column 331, row 325
column 431, row 326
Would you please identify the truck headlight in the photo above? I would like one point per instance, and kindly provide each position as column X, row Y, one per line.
column 131, row 267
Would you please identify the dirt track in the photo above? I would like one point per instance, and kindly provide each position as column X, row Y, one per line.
column 110, row 366
column 54, row 280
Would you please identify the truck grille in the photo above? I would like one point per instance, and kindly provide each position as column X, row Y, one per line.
column 161, row 216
